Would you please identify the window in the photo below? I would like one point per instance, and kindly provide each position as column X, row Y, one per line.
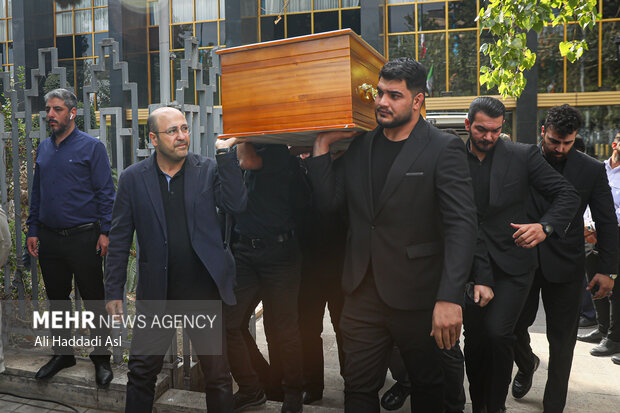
column 79, row 30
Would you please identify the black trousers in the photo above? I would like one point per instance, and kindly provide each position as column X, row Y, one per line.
column 562, row 303
column 370, row 328
column 489, row 340
column 62, row 258
column 273, row 274
column 144, row 366
column 319, row 286
column 453, row 364
column 607, row 309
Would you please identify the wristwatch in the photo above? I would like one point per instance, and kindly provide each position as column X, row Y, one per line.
column 547, row 228
column 221, row 151
column 613, row 276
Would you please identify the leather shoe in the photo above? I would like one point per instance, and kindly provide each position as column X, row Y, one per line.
column 310, row 396
column 523, row 381
column 103, row 370
column 57, row 363
column 616, row 359
column 293, row 403
column 606, row 348
column 241, row 401
column 594, row 336
column 586, row 322
column 395, row 397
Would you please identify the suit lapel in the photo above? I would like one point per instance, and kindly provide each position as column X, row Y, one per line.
column 192, row 173
column 151, row 182
column 411, row 150
column 573, row 166
column 499, row 167
column 368, row 169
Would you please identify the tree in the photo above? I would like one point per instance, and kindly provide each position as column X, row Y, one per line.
column 510, row 20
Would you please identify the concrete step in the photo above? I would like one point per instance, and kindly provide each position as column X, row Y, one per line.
column 74, row 386
column 182, row 401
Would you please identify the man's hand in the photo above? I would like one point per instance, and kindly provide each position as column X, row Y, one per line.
column 225, row 143
column 114, row 308
column 33, row 246
column 605, row 285
column 447, row 322
column 482, row 294
column 102, row 245
column 325, row 139
column 528, row 235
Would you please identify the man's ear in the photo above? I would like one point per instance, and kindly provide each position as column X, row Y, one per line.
column 542, row 131
column 153, row 137
column 467, row 124
column 418, row 101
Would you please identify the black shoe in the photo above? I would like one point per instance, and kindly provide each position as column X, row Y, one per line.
column 523, row 381
column 606, row 348
column 53, row 366
column 103, row 370
column 293, row 403
column 242, row 401
column 594, row 336
column 395, row 397
column 616, row 359
column 310, row 396
column 586, row 322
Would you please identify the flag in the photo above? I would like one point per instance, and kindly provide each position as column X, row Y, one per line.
column 429, row 81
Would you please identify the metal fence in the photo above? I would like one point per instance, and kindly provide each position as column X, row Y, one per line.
column 118, row 129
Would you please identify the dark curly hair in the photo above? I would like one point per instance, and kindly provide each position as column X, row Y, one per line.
column 563, row 119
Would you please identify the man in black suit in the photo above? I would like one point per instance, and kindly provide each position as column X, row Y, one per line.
column 560, row 274
column 503, row 173
column 170, row 201
column 411, row 237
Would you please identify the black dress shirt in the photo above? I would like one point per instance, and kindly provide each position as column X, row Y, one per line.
column 384, row 151
column 481, row 179
column 188, row 279
column 271, row 194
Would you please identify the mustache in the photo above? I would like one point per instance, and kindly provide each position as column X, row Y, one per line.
column 182, row 143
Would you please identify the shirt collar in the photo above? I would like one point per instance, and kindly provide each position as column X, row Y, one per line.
column 488, row 156
column 73, row 133
column 180, row 173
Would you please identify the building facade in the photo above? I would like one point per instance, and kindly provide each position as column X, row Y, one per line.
column 442, row 34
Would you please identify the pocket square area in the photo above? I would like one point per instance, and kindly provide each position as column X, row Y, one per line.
column 414, row 174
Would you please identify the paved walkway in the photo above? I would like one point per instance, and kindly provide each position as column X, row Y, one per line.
column 594, row 384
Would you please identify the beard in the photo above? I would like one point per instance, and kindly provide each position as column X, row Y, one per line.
column 58, row 127
column 482, row 145
column 395, row 122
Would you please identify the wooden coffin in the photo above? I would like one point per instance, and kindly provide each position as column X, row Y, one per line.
column 286, row 91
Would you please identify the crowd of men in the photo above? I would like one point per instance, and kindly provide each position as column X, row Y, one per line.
column 407, row 236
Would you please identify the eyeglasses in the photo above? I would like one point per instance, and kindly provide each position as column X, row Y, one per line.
column 174, row 130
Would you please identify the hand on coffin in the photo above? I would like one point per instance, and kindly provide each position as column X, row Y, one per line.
column 325, row 139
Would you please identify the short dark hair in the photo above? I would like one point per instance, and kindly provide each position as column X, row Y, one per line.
column 407, row 69
column 563, row 119
column 63, row 94
column 491, row 107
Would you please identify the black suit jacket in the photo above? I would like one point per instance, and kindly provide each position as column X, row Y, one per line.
column 139, row 206
column 515, row 169
column 563, row 259
column 420, row 236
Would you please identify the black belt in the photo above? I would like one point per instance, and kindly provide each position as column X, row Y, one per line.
column 264, row 242
column 65, row 232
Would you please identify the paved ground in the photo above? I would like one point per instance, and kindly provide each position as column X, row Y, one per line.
column 594, row 384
